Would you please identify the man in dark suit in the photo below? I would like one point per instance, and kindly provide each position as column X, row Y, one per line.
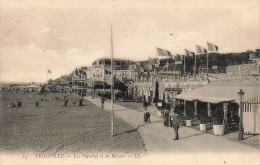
column 81, row 101
column 175, row 123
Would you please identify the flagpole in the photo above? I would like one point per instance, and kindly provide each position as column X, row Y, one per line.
column 81, row 79
column 184, row 65
column 167, row 64
column 195, row 63
column 112, row 94
column 104, row 75
column 207, row 65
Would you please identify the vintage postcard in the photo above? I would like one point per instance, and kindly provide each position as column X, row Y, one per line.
column 130, row 82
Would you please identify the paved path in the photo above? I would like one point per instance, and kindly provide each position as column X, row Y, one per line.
column 158, row 138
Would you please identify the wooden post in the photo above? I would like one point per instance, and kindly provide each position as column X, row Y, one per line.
column 112, row 81
column 195, row 108
column 195, row 64
column 225, row 113
column 241, row 129
column 184, row 109
column 209, row 110
column 207, row 66
column 184, row 65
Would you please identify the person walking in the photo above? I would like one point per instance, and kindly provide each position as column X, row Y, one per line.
column 65, row 101
column 102, row 102
column 81, row 101
column 145, row 104
column 147, row 116
column 166, row 116
column 175, row 123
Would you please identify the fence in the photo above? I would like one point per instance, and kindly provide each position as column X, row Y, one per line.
column 251, row 118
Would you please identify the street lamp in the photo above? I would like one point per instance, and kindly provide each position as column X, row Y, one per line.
column 241, row 98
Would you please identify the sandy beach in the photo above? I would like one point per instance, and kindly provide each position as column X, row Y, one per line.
column 53, row 129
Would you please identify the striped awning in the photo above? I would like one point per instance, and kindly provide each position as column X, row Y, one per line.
column 254, row 100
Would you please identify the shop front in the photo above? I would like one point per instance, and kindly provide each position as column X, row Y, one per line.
column 216, row 105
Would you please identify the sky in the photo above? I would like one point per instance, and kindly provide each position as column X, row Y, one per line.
column 61, row 35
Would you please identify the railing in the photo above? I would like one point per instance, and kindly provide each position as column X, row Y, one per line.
column 235, row 82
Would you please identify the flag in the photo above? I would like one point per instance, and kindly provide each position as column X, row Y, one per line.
column 157, row 61
column 178, row 57
column 189, row 53
column 76, row 72
column 201, row 50
column 162, row 52
column 49, row 71
column 151, row 61
column 212, row 47
column 182, row 57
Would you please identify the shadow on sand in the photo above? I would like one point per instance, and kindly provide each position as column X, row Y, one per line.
column 197, row 134
column 130, row 131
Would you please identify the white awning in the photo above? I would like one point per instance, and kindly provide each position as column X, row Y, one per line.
column 217, row 94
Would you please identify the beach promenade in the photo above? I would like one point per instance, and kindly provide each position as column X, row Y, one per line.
column 159, row 139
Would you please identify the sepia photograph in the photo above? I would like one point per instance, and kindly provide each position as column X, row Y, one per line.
column 145, row 82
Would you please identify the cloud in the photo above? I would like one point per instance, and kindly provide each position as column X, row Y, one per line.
column 30, row 63
column 67, row 34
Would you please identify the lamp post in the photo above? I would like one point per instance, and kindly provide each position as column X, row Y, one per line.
column 241, row 98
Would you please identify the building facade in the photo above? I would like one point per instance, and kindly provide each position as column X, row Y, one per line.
column 245, row 69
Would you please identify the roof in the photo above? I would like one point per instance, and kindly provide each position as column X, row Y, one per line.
column 32, row 86
column 114, row 59
column 122, row 67
column 184, row 83
column 217, row 94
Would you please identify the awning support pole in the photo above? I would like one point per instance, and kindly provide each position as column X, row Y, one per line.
column 195, row 107
column 209, row 110
column 225, row 113
column 184, row 113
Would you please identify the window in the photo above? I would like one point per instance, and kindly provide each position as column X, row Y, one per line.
column 101, row 62
column 108, row 62
column 107, row 72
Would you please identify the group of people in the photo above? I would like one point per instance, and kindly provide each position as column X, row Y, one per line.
column 171, row 119
column 66, row 100
column 147, row 118
column 13, row 105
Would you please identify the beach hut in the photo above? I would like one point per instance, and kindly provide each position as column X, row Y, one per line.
column 32, row 88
